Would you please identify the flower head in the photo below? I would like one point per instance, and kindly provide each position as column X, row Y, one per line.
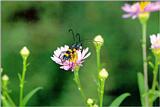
column 24, row 52
column 155, row 43
column 140, row 9
column 76, row 58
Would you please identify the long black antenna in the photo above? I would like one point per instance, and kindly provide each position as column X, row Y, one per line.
column 78, row 35
column 70, row 30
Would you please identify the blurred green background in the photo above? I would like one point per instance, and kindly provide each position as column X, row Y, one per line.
column 43, row 26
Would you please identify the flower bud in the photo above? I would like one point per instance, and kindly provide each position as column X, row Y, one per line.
column 95, row 105
column 103, row 74
column 98, row 40
column 89, row 101
column 5, row 78
column 24, row 52
column 2, row 97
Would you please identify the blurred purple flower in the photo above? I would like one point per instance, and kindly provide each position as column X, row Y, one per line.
column 139, row 8
column 76, row 60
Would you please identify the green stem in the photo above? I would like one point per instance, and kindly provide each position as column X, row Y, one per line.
column 98, row 58
column 10, row 100
column 4, row 101
column 22, row 81
column 6, row 97
column 100, row 95
column 78, row 83
column 155, row 73
column 98, row 68
column 144, row 53
column 102, row 82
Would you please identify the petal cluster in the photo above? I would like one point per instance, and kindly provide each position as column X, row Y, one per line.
column 81, row 54
column 139, row 8
column 155, row 41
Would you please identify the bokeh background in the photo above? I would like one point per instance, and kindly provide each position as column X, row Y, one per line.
column 43, row 26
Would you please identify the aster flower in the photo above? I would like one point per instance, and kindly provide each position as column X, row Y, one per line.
column 155, row 43
column 73, row 62
column 140, row 9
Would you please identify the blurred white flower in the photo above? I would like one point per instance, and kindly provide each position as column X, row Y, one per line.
column 76, row 59
column 155, row 43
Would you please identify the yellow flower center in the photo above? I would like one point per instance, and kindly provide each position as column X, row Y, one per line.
column 74, row 57
column 143, row 5
column 157, row 42
column 143, row 16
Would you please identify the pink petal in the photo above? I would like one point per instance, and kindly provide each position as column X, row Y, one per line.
column 155, row 6
column 65, row 67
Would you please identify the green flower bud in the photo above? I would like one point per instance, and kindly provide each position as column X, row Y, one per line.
column 24, row 52
column 103, row 74
column 98, row 41
column 95, row 105
column 89, row 101
column 5, row 78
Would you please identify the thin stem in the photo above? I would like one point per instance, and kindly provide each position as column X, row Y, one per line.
column 144, row 53
column 100, row 84
column 22, row 81
column 98, row 68
column 155, row 72
column 98, row 58
column 10, row 100
column 101, row 91
column 6, row 97
column 4, row 101
column 78, row 83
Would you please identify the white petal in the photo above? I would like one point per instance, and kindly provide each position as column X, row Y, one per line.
column 158, row 36
column 153, row 39
column 84, row 52
column 87, row 55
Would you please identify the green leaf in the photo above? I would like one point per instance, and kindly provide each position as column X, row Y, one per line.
column 119, row 100
column 30, row 94
column 19, row 76
column 141, row 86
